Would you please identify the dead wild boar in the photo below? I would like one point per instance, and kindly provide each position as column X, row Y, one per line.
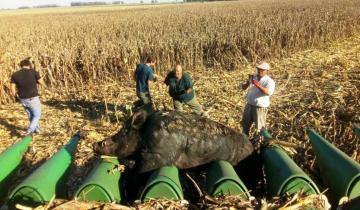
column 174, row 138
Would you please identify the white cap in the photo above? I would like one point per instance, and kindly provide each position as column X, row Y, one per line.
column 263, row 66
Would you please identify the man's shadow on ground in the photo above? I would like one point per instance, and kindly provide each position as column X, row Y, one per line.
column 14, row 130
column 91, row 110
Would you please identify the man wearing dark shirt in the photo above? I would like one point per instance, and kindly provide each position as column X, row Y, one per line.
column 25, row 81
column 144, row 77
column 182, row 91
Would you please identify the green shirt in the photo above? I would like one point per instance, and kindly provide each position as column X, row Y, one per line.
column 177, row 89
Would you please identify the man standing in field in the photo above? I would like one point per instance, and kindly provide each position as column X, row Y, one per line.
column 25, row 81
column 144, row 77
column 182, row 91
column 261, row 87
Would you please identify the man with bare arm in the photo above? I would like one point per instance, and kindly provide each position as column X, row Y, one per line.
column 144, row 77
column 261, row 87
column 24, row 87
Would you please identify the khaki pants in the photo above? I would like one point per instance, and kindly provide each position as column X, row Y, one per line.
column 144, row 102
column 193, row 104
column 253, row 114
column 144, row 98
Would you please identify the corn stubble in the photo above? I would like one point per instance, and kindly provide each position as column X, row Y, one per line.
column 75, row 50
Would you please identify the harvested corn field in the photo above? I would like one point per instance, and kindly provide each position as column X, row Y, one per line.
column 78, row 49
column 87, row 59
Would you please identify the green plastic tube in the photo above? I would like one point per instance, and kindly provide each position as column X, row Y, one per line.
column 102, row 184
column 163, row 183
column 339, row 172
column 47, row 181
column 223, row 180
column 10, row 159
column 283, row 175
column 266, row 134
column 357, row 130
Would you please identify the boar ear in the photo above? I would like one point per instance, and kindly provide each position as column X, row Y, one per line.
column 138, row 119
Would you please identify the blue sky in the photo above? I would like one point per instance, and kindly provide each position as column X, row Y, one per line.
column 11, row 4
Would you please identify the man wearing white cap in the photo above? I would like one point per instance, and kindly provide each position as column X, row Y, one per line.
column 261, row 87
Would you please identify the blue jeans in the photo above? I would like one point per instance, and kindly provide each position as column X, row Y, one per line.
column 32, row 107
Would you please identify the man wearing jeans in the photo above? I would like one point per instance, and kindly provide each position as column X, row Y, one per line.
column 182, row 91
column 25, row 81
column 144, row 77
column 261, row 87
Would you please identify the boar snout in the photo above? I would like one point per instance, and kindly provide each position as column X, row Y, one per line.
column 105, row 147
column 96, row 147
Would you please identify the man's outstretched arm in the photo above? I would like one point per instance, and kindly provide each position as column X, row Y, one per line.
column 13, row 89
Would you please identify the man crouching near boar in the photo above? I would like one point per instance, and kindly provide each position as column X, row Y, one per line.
column 182, row 91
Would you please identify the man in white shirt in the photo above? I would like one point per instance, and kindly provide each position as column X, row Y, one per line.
column 261, row 87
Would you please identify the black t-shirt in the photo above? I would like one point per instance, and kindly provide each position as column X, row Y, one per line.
column 26, row 82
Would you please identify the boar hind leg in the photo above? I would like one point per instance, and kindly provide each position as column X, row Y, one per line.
column 250, row 171
column 134, row 182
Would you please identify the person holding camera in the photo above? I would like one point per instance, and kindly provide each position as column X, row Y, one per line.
column 260, row 88
column 24, row 87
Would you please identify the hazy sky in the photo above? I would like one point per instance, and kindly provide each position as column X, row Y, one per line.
column 4, row 4
column 17, row 3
